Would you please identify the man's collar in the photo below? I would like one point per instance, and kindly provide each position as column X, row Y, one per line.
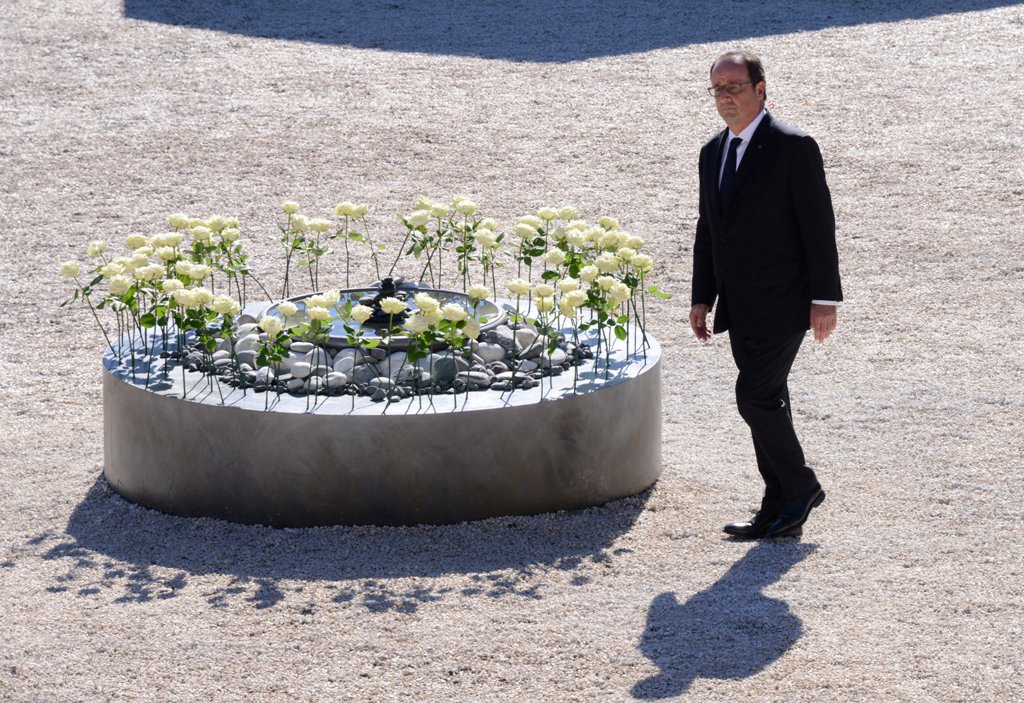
column 749, row 130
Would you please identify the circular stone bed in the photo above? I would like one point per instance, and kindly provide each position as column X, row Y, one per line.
column 583, row 437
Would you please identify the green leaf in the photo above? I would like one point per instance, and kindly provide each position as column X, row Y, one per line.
column 550, row 276
column 658, row 292
column 622, row 319
column 621, row 333
column 148, row 320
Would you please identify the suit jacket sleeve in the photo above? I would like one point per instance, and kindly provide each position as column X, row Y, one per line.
column 704, row 287
column 812, row 204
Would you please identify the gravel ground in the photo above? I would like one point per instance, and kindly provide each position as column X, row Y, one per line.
column 906, row 585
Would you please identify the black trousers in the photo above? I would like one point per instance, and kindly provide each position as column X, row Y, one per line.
column 762, row 397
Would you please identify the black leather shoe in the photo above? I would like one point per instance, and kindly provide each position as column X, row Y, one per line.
column 753, row 528
column 794, row 514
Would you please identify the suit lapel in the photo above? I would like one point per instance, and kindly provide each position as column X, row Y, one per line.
column 714, row 169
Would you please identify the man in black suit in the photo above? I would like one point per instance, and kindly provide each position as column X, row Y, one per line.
column 765, row 249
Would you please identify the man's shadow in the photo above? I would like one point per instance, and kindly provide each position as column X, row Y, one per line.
column 730, row 630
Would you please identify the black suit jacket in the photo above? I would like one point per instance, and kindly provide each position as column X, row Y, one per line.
column 774, row 250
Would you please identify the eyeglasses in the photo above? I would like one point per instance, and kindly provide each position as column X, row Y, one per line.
column 730, row 88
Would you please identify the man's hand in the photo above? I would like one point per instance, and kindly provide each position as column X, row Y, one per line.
column 823, row 320
column 699, row 322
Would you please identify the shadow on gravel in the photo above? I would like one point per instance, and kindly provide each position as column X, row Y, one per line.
column 530, row 30
column 116, row 548
column 731, row 630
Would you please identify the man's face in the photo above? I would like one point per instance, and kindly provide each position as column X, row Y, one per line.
column 737, row 110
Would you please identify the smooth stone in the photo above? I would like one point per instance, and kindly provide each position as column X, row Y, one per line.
column 378, row 395
column 557, row 358
column 498, row 367
column 364, row 373
column 223, row 345
column 344, row 365
column 539, row 346
column 527, row 366
column 490, row 352
column 529, row 383
column 295, row 384
column 506, row 376
column 392, row 365
column 336, row 379
column 431, row 359
column 292, row 358
column 315, row 384
column 501, row 385
column 382, row 382
column 379, row 354
column 223, row 364
column 503, row 336
column 250, row 342
column 408, row 373
column 246, row 357
column 525, row 337
column 301, row 347
column 317, row 357
column 475, row 379
column 301, row 369
column 244, row 320
column 556, row 371
column 221, row 355
column 265, row 375
column 446, row 369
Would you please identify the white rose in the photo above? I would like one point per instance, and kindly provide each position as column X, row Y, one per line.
column 576, row 298
column 318, row 224
column 183, row 297
column 171, row 284
column 620, row 293
column 466, row 207
column 360, row 210
column 519, row 286
column 576, row 238
column 217, row 223
column 232, row 222
column 588, row 273
column 332, row 297
column 177, row 220
column 271, row 324
column 423, row 203
column 299, row 223
column 634, row 242
column 609, row 240
column 288, row 308
column 608, row 223
column 607, row 263
column 568, row 213
column 112, row 269
column 150, row 272
column 606, row 282
column 290, row 207
column 223, row 304
column 418, row 218
column 489, row 223
column 120, row 284
column 199, row 272
column 134, row 241
column 547, row 213
column 471, row 328
column 642, row 263
column 196, row 222
column 362, row 313
column 230, row 234
column 201, row 234
column 544, row 304
column 167, row 253
column 524, row 230
column 426, row 302
column 416, row 323
column 544, row 290
column 479, row 292
column 345, row 209
column 485, row 238
column 392, row 306
column 566, row 308
column 439, row 211
column 554, row 257
column 202, row 296
column 432, row 316
column 317, row 313
column 626, row 254
column 531, row 220
column 69, row 269
column 96, row 248
column 567, row 285
column 453, row 312
column 318, row 301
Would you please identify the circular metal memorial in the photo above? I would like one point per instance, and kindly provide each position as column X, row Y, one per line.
column 181, row 442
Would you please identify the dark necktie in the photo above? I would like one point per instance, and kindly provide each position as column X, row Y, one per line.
column 728, row 184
